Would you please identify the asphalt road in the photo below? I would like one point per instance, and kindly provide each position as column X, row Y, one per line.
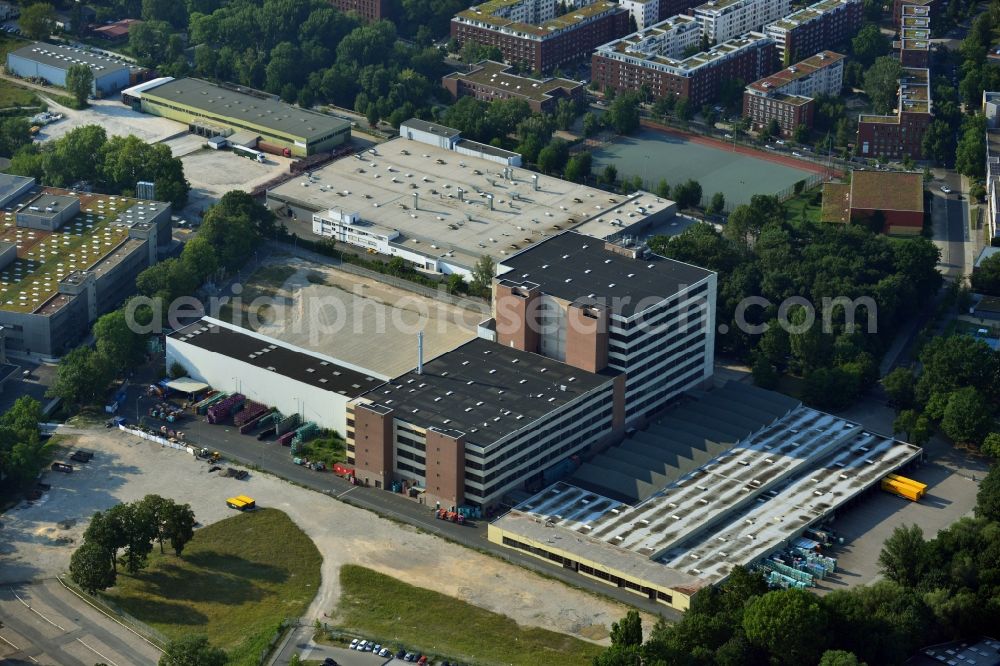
column 957, row 230
column 43, row 623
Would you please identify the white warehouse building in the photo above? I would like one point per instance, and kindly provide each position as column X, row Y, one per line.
column 293, row 380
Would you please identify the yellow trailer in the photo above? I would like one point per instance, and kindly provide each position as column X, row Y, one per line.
column 241, row 503
column 901, row 489
column 920, row 488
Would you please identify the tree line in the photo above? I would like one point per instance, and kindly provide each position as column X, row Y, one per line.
column 113, row 165
column 22, row 450
column 762, row 253
column 934, row 590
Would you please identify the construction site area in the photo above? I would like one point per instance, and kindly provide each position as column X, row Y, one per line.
column 733, row 477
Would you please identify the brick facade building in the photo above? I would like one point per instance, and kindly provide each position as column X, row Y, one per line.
column 646, row 59
column 490, row 80
column 528, row 32
column 820, row 26
column 914, row 36
column 369, row 10
column 902, row 133
column 788, row 96
column 894, row 198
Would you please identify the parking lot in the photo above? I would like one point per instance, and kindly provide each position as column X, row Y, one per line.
column 44, row 623
column 212, row 173
column 116, row 119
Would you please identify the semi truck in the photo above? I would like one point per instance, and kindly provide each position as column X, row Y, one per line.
column 250, row 153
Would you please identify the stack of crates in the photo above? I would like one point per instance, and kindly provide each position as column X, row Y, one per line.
column 307, row 431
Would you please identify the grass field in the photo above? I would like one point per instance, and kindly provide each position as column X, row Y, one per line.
column 809, row 205
column 12, row 94
column 235, row 582
column 390, row 611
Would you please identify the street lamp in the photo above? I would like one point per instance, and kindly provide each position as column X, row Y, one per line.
column 137, row 399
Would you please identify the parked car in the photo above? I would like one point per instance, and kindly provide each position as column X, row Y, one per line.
column 400, row 653
column 780, row 142
column 946, row 189
column 409, row 657
column 796, row 154
column 377, row 648
column 385, row 652
column 82, row 456
column 354, row 643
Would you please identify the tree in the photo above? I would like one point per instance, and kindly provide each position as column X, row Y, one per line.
column 790, row 624
column 91, row 568
column 193, row 651
column 21, row 448
column 623, row 113
column 663, row 189
column 900, row 387
column 966, row 416
column 628, row 631
column 688, row 194
column 80, row 83
column 970, row 156
column 773, row 128
column 578, row 167
column 764, row 374
column 988, row 496
column 552, row 157
column 14, row 133
column 117, row 342
column 904, row 556
column 951, row 362
column 801, row 134
column 591, row 124
column 610, row 174
column 171, row 521
column 482, row 274
column 717, row 204
column 882, row 83
column 107, row 530
column 82, row 377
column 37, row 20
column 916, row 428
column 991, row 445
column 839, row 658
column 869, row 44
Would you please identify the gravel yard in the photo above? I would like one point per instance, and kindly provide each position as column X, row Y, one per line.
column 38, row 539
column 116, row 119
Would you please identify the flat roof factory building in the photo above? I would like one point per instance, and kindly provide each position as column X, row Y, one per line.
column 67, row 258
column 211, row 110
column 51, row 62
column 722, row 481
column 269, row 371
column 441, row 202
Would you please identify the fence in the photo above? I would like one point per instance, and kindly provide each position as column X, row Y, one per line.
column 162, row 441
column 286, row 625
column 112, row 610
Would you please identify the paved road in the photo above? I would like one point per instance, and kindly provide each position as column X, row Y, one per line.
column 43, row 623
column 952, row 232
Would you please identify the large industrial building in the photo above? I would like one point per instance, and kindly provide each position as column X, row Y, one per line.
column 654, row 59
column 293, row 380
column 717, row 482
column 722, row 20
column 51, row 62
column 587, row 339
column 788, row 96
column 820, row 26
column 532, row 34
column 66, row 258
column 442, row 202
column 213, row 110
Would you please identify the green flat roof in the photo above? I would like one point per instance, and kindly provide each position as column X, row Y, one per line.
column 254, row 110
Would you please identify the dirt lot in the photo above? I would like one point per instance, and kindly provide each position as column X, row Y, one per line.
column 116, row 119
column 39, row 538
column 332, row 312
column 212, row 173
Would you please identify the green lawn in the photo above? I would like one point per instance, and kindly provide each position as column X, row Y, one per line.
column 12, row 94
column 235, row 582
column 390, row 611
column 811, row 201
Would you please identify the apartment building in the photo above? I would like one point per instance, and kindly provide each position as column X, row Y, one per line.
column 902, row 133
column 934, row 8
column 587, row 337
column 820, row 26
column 644, row 12
column 489, row 80
column 914, row 36
column 788, row 96
column 991, row 109
column 655, row 58
column 530, row 33
column 722, row 20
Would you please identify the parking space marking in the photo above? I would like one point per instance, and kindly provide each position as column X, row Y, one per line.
column 80, row 640
column 346, row 491
column 28, row 606
column 16, row 649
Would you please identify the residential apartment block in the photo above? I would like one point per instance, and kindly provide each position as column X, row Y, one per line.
column 788, row 96
column 645, row 12
column 820, row 26
column 933, row 6
column 914, row 36
column 530, row 33
column 489, row 80
column 902, row 133
column 655, row 57
column 587, row 337
column 722, row 20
